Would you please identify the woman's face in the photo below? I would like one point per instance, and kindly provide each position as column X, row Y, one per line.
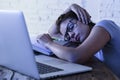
column 73, row 30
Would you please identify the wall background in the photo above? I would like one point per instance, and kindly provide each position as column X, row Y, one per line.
column 41, row 14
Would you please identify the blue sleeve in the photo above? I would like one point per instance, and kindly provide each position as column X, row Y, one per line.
column 110, row 26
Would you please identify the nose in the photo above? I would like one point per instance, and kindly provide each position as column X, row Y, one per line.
column 71, row 34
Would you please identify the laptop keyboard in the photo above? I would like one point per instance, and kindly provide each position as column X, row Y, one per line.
column 43, row 68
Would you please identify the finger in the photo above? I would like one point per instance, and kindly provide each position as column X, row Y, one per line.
column 39, row 36
column 88, row 17
column 84, row 17
column 38, row 41
column 77, row 11
column 42, row 37
column 81, row 16
column 48, row 36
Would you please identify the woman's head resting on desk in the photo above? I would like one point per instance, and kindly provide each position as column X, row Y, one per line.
column 72, row 29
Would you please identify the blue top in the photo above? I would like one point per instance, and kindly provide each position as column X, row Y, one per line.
column 111, row 51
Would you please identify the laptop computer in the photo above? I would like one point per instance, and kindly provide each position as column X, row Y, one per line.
column 16, row 51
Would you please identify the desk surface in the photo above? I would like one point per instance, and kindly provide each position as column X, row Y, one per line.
column 99, row 72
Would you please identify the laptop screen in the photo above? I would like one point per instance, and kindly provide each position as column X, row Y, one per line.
column 16, row 50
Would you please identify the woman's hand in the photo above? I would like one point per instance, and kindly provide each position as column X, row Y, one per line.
column 81, row 13
column 44, row 39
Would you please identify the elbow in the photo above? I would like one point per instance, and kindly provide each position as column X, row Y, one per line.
column 76, row 59
column 72, row 58
column 72, row 61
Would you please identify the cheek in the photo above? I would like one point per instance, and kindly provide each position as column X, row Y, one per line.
column 77, row 30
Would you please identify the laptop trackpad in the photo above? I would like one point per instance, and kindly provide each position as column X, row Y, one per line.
column 50, row 60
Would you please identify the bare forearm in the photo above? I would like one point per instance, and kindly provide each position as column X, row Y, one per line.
column 76, row 55
column 66, row 53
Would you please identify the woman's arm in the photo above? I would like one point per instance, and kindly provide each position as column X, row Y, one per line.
column 97, row 39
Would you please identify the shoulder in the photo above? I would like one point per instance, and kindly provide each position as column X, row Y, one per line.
column 107, row 24
column 110, row 26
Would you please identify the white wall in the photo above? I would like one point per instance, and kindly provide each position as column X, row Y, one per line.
column 92, row 6
column 41, row 14
column 110, row 9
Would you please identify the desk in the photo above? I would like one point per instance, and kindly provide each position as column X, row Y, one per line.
column 99, row 72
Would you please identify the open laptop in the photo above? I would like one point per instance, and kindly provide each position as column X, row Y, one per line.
column 16, row 51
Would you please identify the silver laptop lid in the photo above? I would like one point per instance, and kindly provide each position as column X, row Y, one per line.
column 15, row 48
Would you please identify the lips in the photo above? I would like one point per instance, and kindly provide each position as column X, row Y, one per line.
column 76, row 38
